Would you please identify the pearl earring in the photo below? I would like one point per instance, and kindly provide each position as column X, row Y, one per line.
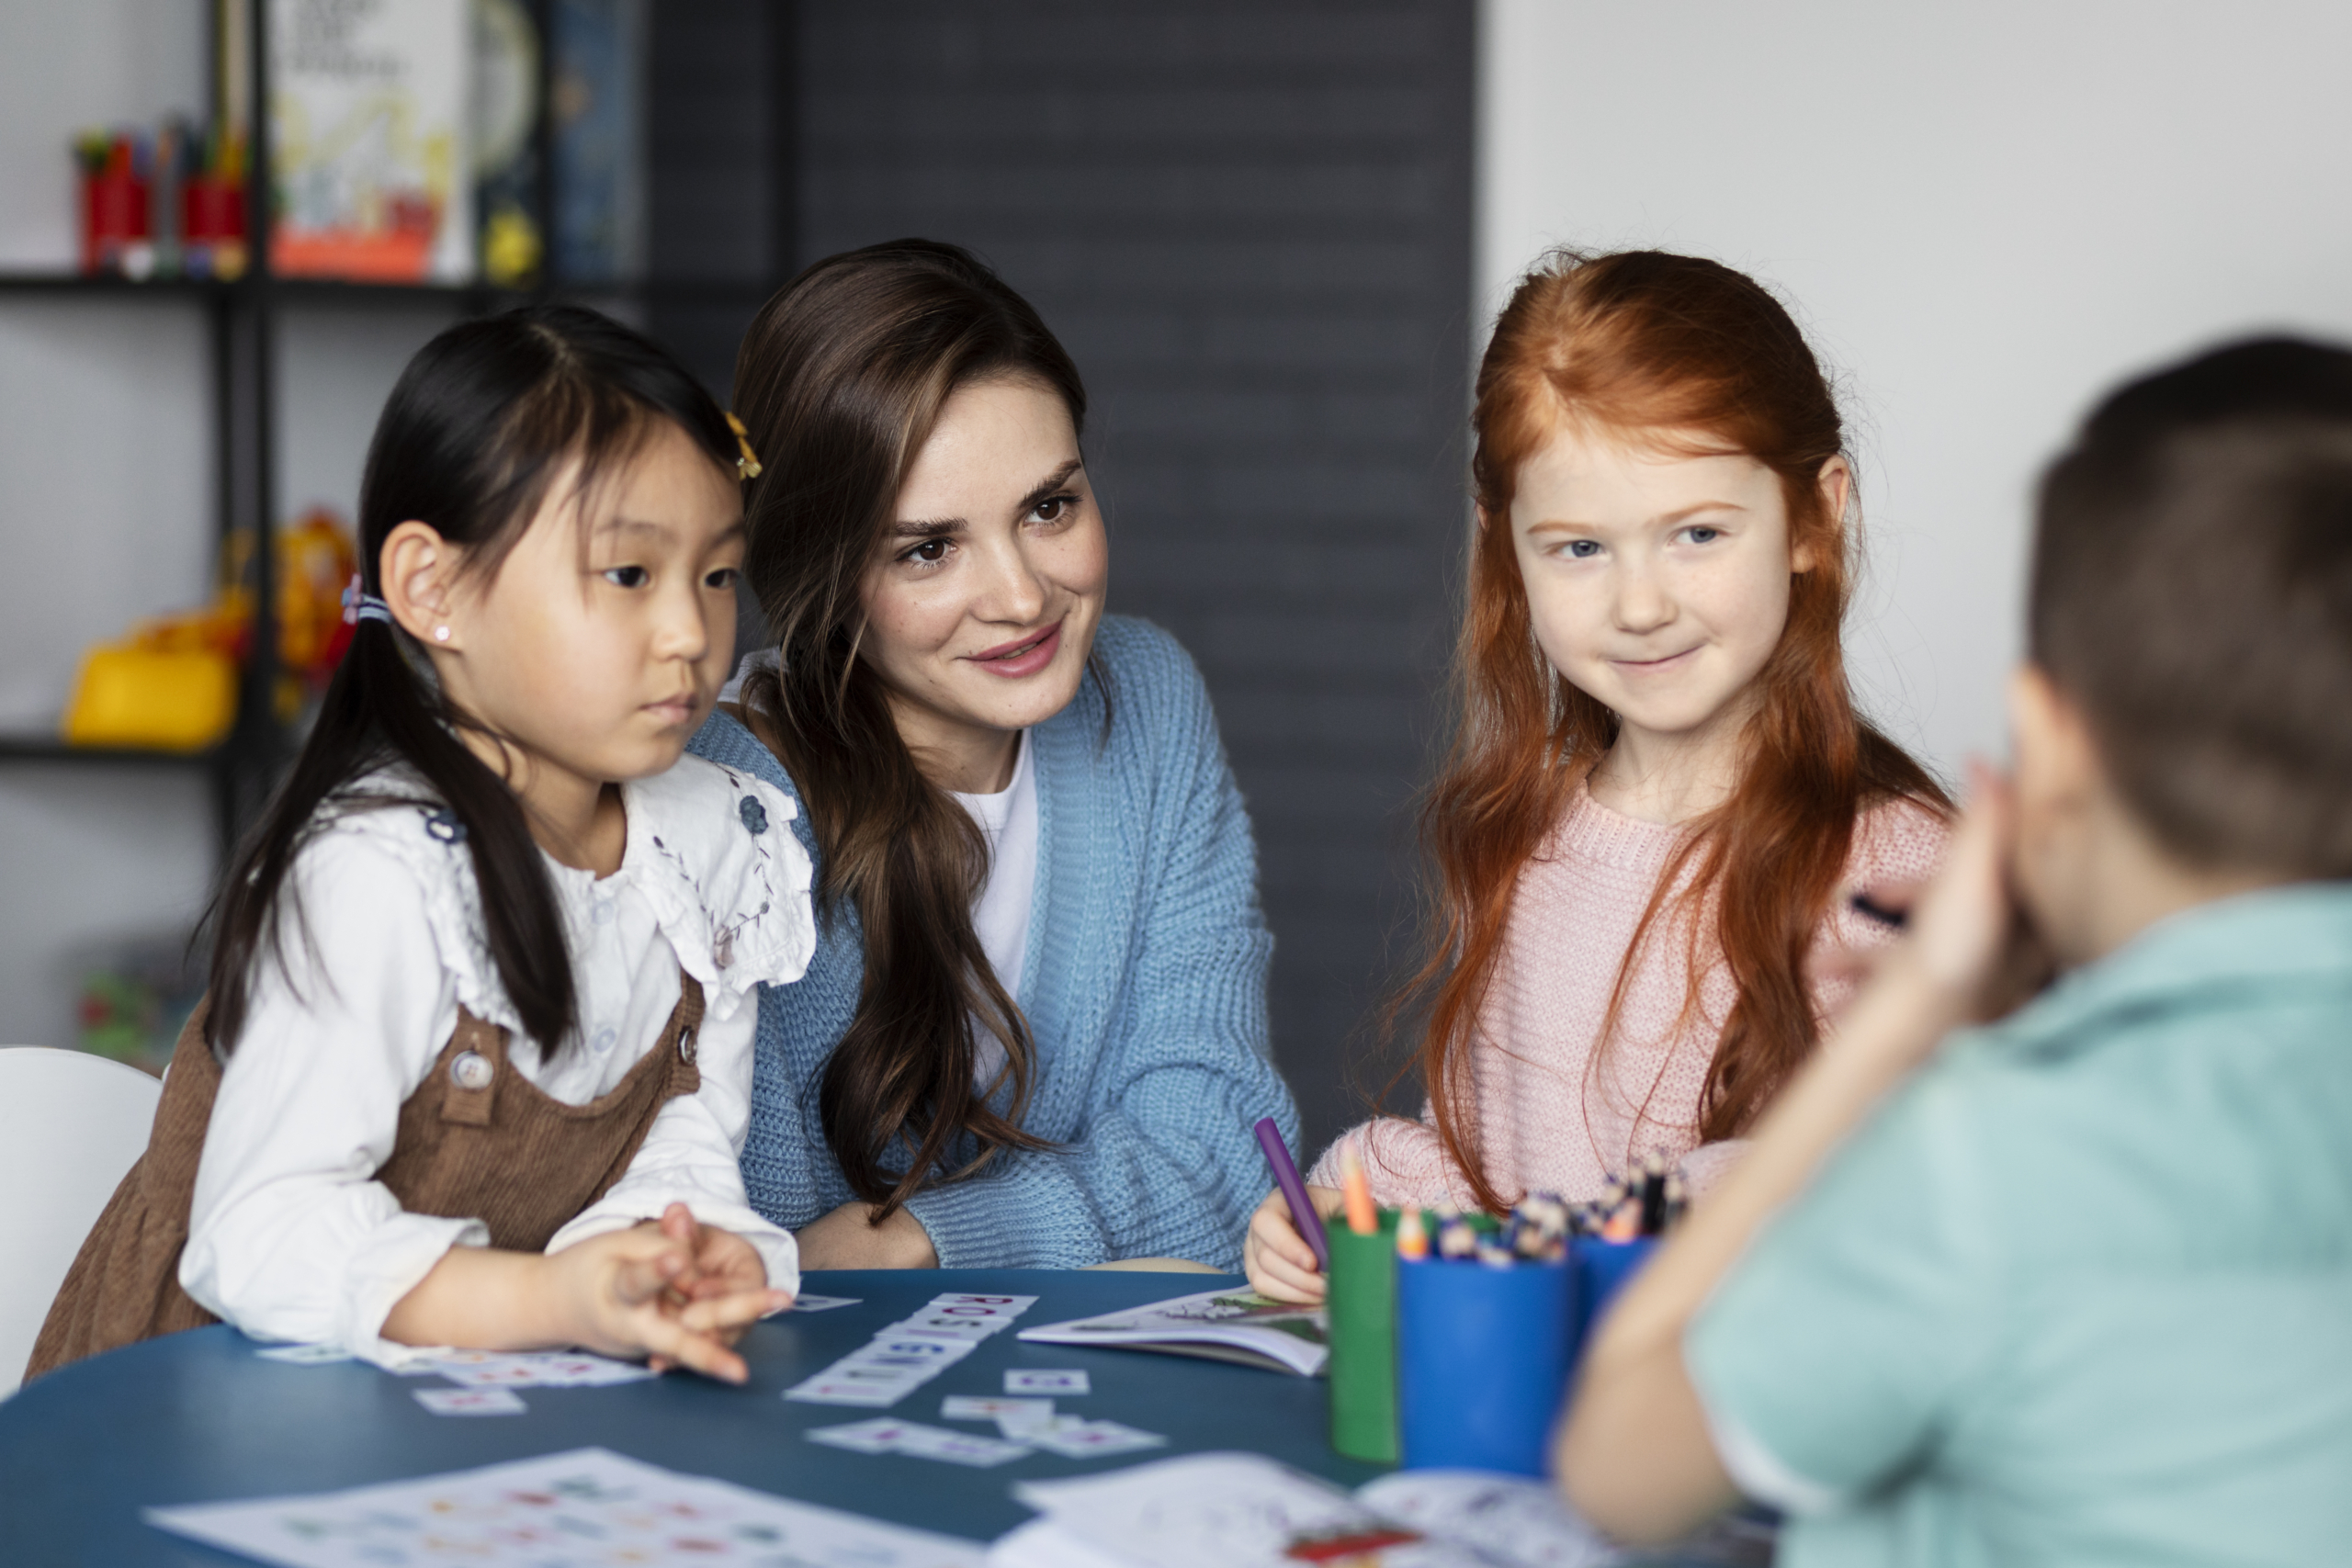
column 440, row 634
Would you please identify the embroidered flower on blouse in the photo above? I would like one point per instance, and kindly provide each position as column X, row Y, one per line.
column 444, row 825
column 754, row 815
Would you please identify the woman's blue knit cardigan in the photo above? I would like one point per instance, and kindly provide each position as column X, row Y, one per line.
column 1144, row 988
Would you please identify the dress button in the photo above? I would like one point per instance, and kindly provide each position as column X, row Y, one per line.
column 605, row 1041
column 603, row 912
column 471, row 1070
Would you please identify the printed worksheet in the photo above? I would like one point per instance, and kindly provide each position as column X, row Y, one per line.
column 1236, row 1510
column 1514, row 1521
column 588, row 1508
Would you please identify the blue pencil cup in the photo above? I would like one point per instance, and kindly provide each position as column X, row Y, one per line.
column 1601, row 1270
column 1482, row 1363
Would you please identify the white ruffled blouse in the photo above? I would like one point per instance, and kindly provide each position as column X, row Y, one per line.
column 291, row 1238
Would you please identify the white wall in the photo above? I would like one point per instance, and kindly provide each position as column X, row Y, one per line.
column 69, row 65
column 106, row 503
column 1982, row 214
column 107, row 490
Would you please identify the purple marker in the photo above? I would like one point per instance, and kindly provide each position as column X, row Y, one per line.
column 1302, row 1209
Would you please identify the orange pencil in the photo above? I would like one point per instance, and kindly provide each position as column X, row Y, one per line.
column 1412, row 1239
column 1362, row 1218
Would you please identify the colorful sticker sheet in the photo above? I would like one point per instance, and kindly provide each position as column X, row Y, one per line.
column 588, row 1508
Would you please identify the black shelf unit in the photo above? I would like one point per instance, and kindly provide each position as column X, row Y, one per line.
column 242, row 321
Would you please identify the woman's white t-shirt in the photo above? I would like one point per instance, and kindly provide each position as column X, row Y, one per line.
column 1008, row 819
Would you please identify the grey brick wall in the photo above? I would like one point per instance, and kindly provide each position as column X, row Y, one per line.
column 1250, row 222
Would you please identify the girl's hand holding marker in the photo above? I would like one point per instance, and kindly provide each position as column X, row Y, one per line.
column 1283, row 1262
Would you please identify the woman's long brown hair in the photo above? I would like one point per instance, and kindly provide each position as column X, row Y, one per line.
column 1691, row 356
column 840, row 382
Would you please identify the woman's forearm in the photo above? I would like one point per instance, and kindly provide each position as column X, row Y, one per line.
column 848, row 1238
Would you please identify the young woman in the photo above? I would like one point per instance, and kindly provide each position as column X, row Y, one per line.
column 1035, row 1030
column 476, row 1058
column 1660, row 799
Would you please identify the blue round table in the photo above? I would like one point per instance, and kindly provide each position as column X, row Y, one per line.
column 200, row 1416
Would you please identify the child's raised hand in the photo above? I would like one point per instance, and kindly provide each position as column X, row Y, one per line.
column 1968, row 954
column 1967, row 932
column 1281, row 1265
column 678, row 1292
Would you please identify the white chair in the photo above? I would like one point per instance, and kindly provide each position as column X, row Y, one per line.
column 71, row 1124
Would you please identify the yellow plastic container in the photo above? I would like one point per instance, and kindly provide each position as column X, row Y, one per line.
column 178, row 701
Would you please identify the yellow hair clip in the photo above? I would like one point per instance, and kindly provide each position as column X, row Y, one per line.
column 748, row 465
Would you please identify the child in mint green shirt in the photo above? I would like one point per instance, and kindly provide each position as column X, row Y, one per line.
column 2077, row 1290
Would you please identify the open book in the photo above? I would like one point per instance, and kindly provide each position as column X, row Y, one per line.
column 1223, row 1325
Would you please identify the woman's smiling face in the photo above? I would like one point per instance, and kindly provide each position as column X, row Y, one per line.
column 1658, row 582
column 981, row 605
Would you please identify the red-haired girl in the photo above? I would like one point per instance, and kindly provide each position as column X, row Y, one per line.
column 1660, row 800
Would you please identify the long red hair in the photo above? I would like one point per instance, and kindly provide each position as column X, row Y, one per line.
column 1665, row 349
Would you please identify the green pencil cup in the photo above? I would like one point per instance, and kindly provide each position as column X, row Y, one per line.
column 1363, row 1368
column 1363, row 1334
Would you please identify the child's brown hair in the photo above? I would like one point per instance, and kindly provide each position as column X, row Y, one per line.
column 2192, row 590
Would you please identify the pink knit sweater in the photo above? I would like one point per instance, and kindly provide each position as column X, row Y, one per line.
column 1543, row 1115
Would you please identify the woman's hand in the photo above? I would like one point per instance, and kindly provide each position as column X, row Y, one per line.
column 848, row 1238
column 678, row 1292
column 1281, row 1265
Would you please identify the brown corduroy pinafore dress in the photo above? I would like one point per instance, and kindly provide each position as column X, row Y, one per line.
column 477, row 1140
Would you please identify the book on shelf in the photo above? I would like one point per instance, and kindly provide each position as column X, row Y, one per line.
column 371, row 170
column 599, row 136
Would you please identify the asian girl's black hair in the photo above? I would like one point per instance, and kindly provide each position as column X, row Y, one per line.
column 482, row 423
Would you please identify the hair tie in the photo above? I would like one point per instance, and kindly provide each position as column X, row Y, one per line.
column 358, row 605
column 747, row 466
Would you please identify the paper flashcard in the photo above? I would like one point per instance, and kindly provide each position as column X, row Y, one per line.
column 1009, row 1306
column 582, row 1509
column 1091, row 1440
column 876, row 1436
column 822, row 1304
column 827, row 1389
column 304, row 1355
column 1031, row 1379
column 918, row 1441
column 958, row 1448
column 967, row 1316
column 562, row 1369
column 909, row 1354
column 470, row 1400
column 987, row 1407
column 959, row 1325
column 577, row 1369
